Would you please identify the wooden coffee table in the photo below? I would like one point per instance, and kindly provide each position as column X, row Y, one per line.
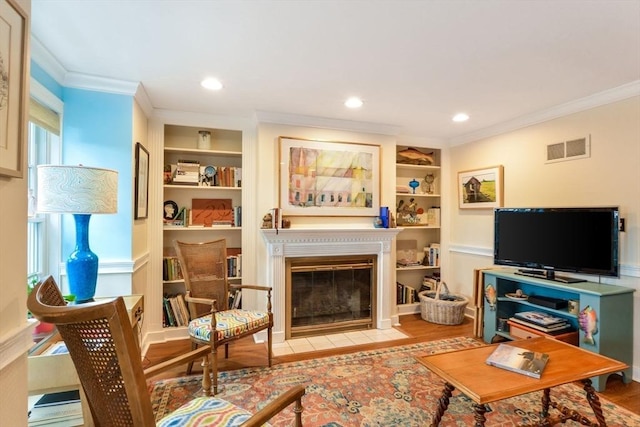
column 467, row 371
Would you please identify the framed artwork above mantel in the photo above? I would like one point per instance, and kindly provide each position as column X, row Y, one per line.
column 320, row 178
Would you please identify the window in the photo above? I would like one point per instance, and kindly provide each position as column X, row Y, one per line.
column 43, row 231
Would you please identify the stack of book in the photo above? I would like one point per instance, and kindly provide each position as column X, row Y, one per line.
column 542, row 321
column 187, row 172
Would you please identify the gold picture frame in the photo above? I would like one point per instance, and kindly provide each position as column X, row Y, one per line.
column 319, row 178
column 14, row 69
column 481, row 188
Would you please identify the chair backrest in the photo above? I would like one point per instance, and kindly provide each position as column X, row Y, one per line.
column 103, row 349
column 204, row 269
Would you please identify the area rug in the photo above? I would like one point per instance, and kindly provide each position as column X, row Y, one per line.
column 385, row 388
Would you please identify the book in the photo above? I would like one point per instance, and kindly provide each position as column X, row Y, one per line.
column 520, row 360
column 550, row 330
column 59, row 347
column 210, row 212
column 540, row 318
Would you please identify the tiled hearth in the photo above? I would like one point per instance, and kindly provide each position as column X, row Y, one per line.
column 325, row 342
column 322, row 242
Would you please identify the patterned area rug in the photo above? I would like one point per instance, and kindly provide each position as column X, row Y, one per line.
column 386, row 387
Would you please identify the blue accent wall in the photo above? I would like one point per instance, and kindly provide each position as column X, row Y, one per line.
column 97, row 131
column 46, row 80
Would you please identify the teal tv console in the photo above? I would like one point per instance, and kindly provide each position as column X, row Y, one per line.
column 612, row 305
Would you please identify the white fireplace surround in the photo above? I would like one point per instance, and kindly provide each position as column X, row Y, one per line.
column 309, row 242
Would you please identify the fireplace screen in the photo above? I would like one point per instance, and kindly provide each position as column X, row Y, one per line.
column 329, row 294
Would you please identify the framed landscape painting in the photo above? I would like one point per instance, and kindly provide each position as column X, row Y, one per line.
column 320, row 178
column 480, row 188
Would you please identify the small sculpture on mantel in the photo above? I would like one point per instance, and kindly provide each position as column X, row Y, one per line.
column 267, row 221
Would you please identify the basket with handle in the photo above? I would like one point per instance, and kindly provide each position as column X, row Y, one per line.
column 441, row 306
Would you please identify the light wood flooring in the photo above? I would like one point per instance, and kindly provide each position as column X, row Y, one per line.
column 246, row 353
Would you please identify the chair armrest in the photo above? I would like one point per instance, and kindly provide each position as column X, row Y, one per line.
column 177, row 361
column 254, row 287
column 195, row 300
column 292, row 395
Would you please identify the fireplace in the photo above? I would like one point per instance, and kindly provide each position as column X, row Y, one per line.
column 329, row 294
column 286, row 244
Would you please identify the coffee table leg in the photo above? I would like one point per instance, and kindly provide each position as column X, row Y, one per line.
column 443, row 404
column 479, row 414
column 594, row 402
column 546, row 400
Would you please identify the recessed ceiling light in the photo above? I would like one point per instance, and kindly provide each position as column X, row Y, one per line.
column 353, row 102
column 211, row 83
column 461, row 117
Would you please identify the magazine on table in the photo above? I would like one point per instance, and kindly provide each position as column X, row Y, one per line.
column 520, row 360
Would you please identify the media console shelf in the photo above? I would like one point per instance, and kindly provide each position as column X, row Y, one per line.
column 612, row 305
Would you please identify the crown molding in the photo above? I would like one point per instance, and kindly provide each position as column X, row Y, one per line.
column 326, row 123
column 609, row 96
column 48, row 62
column 54, row 68
column 100, row 84
column 143, row 100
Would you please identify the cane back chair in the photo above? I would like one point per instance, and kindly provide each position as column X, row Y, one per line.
column 213, row 323
column 103, row 349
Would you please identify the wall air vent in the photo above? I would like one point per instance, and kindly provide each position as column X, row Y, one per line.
column 569, row 150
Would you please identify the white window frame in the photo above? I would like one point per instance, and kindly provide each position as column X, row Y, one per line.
column 51, row 242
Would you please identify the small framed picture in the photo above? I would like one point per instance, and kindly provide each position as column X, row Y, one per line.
column 141, row 201
column 480, row 188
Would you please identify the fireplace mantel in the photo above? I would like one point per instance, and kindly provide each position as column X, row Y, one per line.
column 308, row 242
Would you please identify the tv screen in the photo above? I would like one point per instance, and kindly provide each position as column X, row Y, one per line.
column 578, row 240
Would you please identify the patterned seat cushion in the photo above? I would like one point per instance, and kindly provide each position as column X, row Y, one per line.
column 205, row 411
column 229, row 323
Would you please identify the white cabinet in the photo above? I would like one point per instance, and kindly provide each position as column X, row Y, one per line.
column 417, row 212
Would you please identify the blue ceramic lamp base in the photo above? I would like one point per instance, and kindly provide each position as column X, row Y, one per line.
column 82, row 264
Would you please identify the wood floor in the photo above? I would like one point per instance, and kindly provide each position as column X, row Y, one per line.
column 246, row 353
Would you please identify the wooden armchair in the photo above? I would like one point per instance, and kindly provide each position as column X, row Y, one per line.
column 213, row 323
column 103, row 349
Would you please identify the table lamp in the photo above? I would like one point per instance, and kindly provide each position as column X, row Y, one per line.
column 81, row 191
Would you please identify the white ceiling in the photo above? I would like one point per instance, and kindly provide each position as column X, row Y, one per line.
column 414, row 63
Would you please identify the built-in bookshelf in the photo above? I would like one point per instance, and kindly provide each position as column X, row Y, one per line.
column 417, row 212
column 202, row 196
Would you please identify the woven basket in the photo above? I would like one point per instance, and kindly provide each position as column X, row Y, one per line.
column 442, row 307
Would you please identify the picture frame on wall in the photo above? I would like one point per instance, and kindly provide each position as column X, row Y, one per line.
column 481, row 188
column 14, row 38
column 141, row 201
column 319, row 178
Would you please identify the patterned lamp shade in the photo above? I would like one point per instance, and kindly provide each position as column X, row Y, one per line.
column 77, row 190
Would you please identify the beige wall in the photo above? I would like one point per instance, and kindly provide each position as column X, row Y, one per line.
column 611, row 176
column 13, row 296
column 140, row 237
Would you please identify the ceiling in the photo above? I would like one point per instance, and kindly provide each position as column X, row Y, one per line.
column 414, row 63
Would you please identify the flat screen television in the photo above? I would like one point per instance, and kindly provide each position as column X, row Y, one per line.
column 543, row 240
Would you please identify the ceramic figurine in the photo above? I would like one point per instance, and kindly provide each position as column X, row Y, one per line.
column 588, row 321
column 414, row 157
column 491, row 296
column 267, row 221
